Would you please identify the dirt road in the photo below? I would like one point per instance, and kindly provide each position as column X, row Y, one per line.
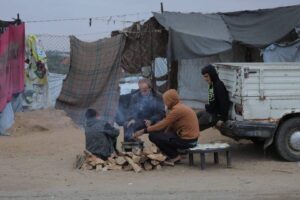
column 36, row 163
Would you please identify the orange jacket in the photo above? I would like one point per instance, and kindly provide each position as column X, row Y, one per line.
column 181, row 118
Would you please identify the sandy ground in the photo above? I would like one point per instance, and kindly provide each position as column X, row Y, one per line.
column 36, row 162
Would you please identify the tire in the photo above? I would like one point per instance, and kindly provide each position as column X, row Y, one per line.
column 283, row 137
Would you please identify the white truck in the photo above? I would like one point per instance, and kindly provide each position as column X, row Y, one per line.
column 265, row 104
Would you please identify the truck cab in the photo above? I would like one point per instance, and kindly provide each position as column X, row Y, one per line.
column 265, row 104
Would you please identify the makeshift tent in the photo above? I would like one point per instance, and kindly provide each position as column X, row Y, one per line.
column 93, row 79
column 197, row 39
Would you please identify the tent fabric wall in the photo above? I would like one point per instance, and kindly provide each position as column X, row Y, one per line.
column 190, row 37
column 192, row 87
column 262, row 27
column 282, row 52
column 93, row 79
column 195, row 35
column 55, row 82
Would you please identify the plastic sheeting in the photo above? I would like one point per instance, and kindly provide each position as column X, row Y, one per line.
column 55, row 82
column 262, row 27
column 192, row 87
column 6, row 118
column 195, row 35
column 282, row 53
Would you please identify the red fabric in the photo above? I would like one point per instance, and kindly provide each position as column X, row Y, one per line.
column 12, row 49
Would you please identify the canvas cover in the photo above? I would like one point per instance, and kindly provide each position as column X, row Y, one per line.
column 195, row 35
column 282, row 52
column 93, row 79
column 262, row 27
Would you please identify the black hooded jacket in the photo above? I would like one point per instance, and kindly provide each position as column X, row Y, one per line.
column 219, row 106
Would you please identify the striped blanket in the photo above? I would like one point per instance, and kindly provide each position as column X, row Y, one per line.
column 93, row 79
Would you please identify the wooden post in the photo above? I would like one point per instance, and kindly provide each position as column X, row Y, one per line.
column 161, row 7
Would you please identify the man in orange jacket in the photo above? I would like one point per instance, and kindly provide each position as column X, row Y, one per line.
column 178, row 130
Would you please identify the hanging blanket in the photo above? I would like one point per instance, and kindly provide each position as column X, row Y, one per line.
column 93, row 79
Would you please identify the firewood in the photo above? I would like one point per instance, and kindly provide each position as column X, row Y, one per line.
column 120, row 160
column 99, row 168
column 86, row 166
column 135, row 167
column 79, row 161
column 154, row 149
column 158, row 157
column 157, row 167
column 143, row 159
column 154, row 162
column 136, row 159
column 147, row 150
column 111, row 161
column 113, row 167
column 127, row 167
column 137, row 151
column 147, row 166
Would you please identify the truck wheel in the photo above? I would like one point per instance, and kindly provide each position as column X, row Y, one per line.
column 287, row 140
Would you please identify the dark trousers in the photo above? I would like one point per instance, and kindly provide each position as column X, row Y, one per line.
column 205, row 120
column 169, row 142
column 129, row 131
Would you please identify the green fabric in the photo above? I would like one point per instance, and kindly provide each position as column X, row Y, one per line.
column 211, row 95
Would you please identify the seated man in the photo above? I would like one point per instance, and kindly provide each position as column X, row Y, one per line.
column 216, row 111
column 146, row 108
column 100, row 136
column 178, row 130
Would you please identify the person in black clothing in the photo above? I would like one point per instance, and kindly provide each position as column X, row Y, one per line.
column 146, row 108
column 216, row 111
column 100, row 136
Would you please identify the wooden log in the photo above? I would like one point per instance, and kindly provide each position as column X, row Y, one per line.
column 137, row 151
column 143, row 159
column 111, row 161
column 86, row 166
column 113, row 167
column 147, row 166
column 135, row 166
column 99, row 168
column 154, row 149
column 79, row 161
column 120, row 160
column 157, row 167
column 158, row 157
column 147, row 150
column 127, row 167
column 136, row 159
column 154, row 162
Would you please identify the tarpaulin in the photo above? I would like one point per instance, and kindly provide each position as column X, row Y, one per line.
column 282, row 52
column 12, row 47
column 93, row 79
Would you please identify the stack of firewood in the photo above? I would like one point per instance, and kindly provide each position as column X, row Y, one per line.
column 147, row 159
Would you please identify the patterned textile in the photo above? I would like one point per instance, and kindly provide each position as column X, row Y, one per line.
column 12, row 47
column 93, row 79
column 143, row 44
